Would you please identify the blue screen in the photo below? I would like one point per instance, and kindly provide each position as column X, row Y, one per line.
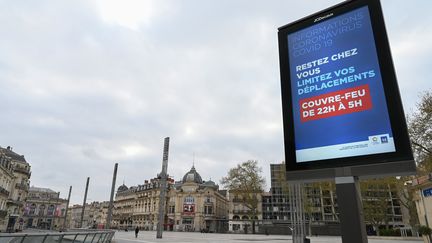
column 339, row 105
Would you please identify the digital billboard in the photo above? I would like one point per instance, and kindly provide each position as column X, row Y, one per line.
column 188, row 208
column 341, row 102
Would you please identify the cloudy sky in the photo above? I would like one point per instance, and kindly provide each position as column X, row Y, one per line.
column 85, row 84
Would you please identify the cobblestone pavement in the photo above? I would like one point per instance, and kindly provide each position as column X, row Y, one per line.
column 186, row 237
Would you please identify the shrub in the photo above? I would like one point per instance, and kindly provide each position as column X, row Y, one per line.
column 389, row 232
column 424, row 230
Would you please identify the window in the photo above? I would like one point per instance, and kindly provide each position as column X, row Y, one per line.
column 32, row 209
column 171, row 209
column 50, row 210
column 187, row 221
column 41, row 210
column 208, row 209
column 236, row 227
column 189, row 199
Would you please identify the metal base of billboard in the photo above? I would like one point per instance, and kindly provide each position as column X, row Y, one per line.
column 350, row 210
column 398, row 168
column 298, row 227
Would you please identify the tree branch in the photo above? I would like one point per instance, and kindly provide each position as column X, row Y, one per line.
column 422, row 147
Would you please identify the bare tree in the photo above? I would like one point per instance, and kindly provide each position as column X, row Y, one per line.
column 420, row 130
column 406, row 195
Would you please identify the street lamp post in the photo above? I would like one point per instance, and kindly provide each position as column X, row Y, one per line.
column 85, row 199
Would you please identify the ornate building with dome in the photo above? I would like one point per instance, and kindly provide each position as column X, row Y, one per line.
column 192, row 205
column 197, row 205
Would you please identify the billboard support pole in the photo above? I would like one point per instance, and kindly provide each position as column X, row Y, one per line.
column 350, row 210
column 297, row 212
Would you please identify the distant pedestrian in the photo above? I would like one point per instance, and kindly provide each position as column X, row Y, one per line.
column 136, row 232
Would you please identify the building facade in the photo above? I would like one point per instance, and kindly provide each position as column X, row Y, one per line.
column 245, row 211
column 44, row 209
column 191, row 205
column 95, row 215
column 6, row 183
column 422, row 187
column 138, row 205
column 276, row 205
column 18, row 186
column 74, row 217
column 197, row 205
column 99, row 214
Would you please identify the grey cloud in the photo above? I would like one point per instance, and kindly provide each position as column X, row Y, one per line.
column 77, row 90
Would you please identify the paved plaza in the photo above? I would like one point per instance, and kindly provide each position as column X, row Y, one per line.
column 183, row 237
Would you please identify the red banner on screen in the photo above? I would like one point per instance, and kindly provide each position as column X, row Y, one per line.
column 189, row 208
column 336, row 103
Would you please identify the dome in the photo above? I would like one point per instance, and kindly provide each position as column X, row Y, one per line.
column 122, row 188
column 192, row 176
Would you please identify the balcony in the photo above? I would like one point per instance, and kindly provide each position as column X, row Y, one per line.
column 23, row 170
column 209, row 215
column 3, row 214
column 15, row 202
column 22, row 186
column 238, row 200
column 241, row 211
column 4, row 192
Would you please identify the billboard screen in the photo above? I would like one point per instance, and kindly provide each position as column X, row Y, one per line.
column 341, row 102
column 188, row 208
column 338, row 97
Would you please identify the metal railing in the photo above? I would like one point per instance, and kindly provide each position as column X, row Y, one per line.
column 104, row 236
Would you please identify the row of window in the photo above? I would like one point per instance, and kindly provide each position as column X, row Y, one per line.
column 244, row 217
column 31, row 210
column 5, row 162
column 191, row 200
column 187, row 200
column 207, row 209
